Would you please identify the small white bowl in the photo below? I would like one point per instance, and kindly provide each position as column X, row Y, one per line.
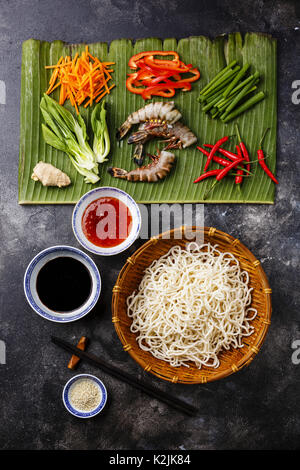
column 31, row 274
column 94, row 194
column 79, row 413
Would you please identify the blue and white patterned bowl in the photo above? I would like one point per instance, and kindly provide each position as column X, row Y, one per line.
column 31, row 276
column 80, row 413
column 94, row 194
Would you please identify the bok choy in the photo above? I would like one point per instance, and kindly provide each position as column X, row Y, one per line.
column 64, row 132
column 101, row 144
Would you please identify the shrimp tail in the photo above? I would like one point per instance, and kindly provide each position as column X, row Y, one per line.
column 123, row 129
column 138, row 137
column 138, row 156
column 158, row 169
column 117, row 172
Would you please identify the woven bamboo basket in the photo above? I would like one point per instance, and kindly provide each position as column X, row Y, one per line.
column 230, row 360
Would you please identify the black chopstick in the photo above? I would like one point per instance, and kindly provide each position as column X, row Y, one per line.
column 121, row 375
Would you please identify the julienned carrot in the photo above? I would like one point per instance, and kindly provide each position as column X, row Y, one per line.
column 82, row 80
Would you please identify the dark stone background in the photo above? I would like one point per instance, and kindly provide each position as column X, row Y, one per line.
column 257, row 408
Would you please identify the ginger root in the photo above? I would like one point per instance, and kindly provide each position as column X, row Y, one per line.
column 49, row 175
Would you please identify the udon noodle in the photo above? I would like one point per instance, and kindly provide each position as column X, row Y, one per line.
column 192, row 303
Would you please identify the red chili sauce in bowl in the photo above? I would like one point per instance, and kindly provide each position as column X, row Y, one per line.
column 106, row 222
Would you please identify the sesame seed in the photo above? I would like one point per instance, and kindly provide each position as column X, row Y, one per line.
column 85, row 395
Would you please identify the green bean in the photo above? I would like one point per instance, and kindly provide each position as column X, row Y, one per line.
column 213, row 97
column 228, row 100
column 215, row 114
column 220, row 87
column 239, row 97
column 245, row 106
column 244, row 83
column 211, row 103
column 221, row 80
column 229, row 66
column 236, row 80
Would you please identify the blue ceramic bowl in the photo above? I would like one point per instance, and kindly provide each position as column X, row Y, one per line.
column 31, row 276
column 88, row 198
column 80, row 413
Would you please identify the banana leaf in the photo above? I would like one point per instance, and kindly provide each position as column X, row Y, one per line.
column 209, row 56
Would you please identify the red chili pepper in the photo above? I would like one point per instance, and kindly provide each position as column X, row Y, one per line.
column 226, row 170
column 239, row 177
column 213, row 150
column 245, row 155
column 207, row 174
column 232, row 156
column 243, row 149
column 261, row 159
column 221, row 161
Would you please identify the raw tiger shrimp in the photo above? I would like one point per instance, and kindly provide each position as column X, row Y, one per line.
column 158, row 112
column 157, row 119
column 177, row 135
column 158, row 169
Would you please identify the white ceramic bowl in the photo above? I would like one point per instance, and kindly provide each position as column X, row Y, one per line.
column 31, row 276
column 77, row 412
column 94, row 194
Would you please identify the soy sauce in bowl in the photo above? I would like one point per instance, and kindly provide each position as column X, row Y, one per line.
column 63, row 284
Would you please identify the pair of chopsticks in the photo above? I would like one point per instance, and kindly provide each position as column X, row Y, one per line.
column 124, row 377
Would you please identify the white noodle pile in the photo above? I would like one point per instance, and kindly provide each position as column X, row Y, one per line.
column 190, row 304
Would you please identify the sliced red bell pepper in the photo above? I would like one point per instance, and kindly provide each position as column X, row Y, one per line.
column 161, row 87
column 159, row 76
column 168, row 83
column 196, row 76
column 167, row 65
column 133, row 60
column 158, row 90
column 130, row 82
column 151, row 81
column 144, row 66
